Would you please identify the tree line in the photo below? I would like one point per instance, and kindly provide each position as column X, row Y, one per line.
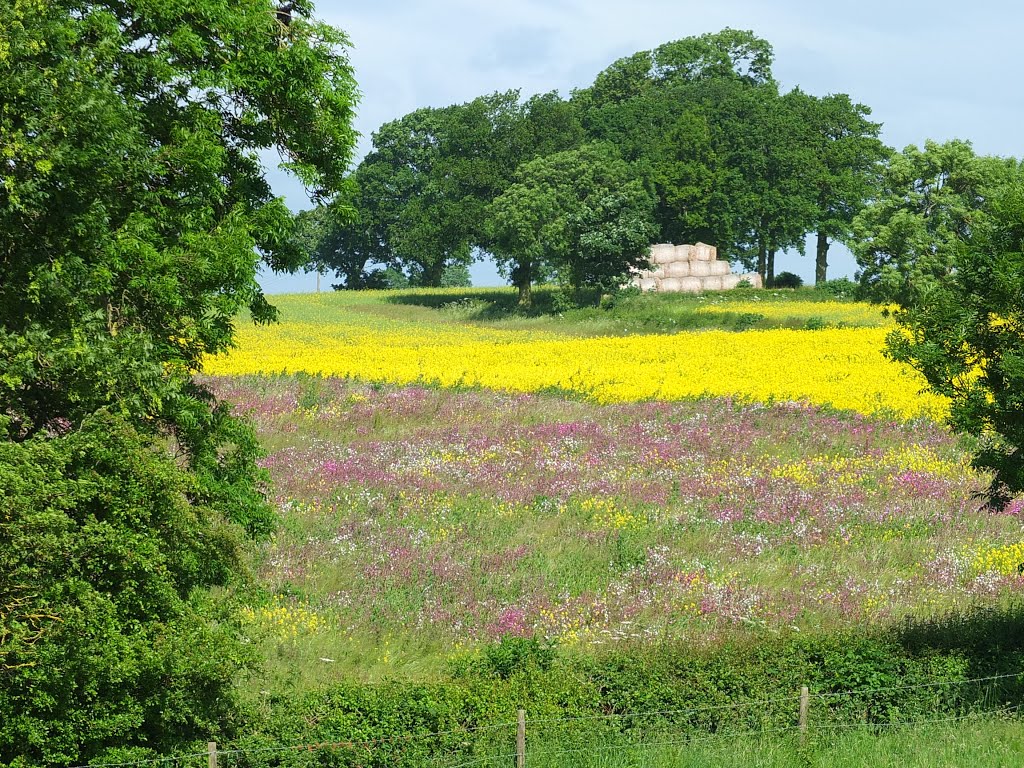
column 693, row 141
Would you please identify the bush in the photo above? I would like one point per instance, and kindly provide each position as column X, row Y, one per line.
column 106, row 639
column 909, row 673
column 787, row 280
column 840, row 288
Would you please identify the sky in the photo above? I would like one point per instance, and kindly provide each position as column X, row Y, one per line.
column 928, row 70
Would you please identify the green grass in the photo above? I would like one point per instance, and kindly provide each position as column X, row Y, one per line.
column 630, row 313
column 978, row 743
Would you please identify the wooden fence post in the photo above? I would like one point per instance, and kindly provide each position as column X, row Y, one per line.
column 211, row 748
column 521, row 740
column 805, row 697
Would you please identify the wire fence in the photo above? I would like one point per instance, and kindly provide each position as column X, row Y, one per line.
column 555, row 736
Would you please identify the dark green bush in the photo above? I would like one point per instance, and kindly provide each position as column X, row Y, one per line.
column 787, row 280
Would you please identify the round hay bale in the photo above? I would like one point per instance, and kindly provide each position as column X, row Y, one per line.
column 689, row 284
column 753, row 278
column 678, row 269
column 659, row 272
column 684, row 252
column 663, row 253
column 700, row 268
column 729, row 282
column 646, row 284
column 703, row 252
column 719, row 267
column 712, row 283
column 670, row 285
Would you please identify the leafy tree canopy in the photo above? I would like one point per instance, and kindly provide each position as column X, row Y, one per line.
column 965, row 333
column 133, row 214
column 132, row 197
column 930, row 200
column 425, row 186
column 580, row 214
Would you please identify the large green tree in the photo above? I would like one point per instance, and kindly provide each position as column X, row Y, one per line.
column 929, row 200
column 579, row 214
column 965, row 334
column 846, row 159
column 431, row 174
column 424, row 229
column 343, row 237
column 133, row 214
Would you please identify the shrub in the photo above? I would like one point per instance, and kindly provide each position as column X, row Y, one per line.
column 788, row 280
column 840, row 288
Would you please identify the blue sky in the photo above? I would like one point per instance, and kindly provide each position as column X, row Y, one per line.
column 928, row 70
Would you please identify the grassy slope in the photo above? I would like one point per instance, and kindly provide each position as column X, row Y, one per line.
column 496, row 308
column 421, row 524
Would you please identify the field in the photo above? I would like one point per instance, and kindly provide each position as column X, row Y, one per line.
column 453, row 477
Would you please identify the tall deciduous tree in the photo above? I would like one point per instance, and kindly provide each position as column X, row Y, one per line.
column 343, row 237
column 905, row 239
column 846, row 162
column 133, row 214
column 965, row 334
column 424, row 229
column 580, row 214
column 425, row 186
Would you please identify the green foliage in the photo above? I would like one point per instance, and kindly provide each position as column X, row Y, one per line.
column 341, row 237
column 133, row 201
column 788, row 280
column 427, row 182
column 845, row 164
column 106, row 638
column 966, row 336
column 514, row 655
column 579, row 214
column 875, row 678
column 732, row 160
column 905, row 241
column 840, row 288
column 133, row 215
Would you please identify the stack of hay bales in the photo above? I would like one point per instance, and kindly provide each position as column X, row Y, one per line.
column 688, row 269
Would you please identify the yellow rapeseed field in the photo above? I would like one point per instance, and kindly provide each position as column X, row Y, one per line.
column 328, row 335
column 837, row 312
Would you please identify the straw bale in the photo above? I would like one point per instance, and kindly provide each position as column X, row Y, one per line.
column 712, row 283
column 647, row 284
column 719, row 267
column 753, row 278
column 700, row 268
column 663, row 253
column 730, row 281
column 689, row 285
column 684, row 252
column 669, row 285
column 658, row 273
column 677, row 269
column 703, row 252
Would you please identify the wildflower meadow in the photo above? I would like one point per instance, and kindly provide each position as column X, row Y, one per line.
column 445, row 484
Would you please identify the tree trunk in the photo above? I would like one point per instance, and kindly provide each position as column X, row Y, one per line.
column 769, row 280
column 432, row 274
column 762, row 262
column 525, row 294
column 521, row 279
column 821, row 259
